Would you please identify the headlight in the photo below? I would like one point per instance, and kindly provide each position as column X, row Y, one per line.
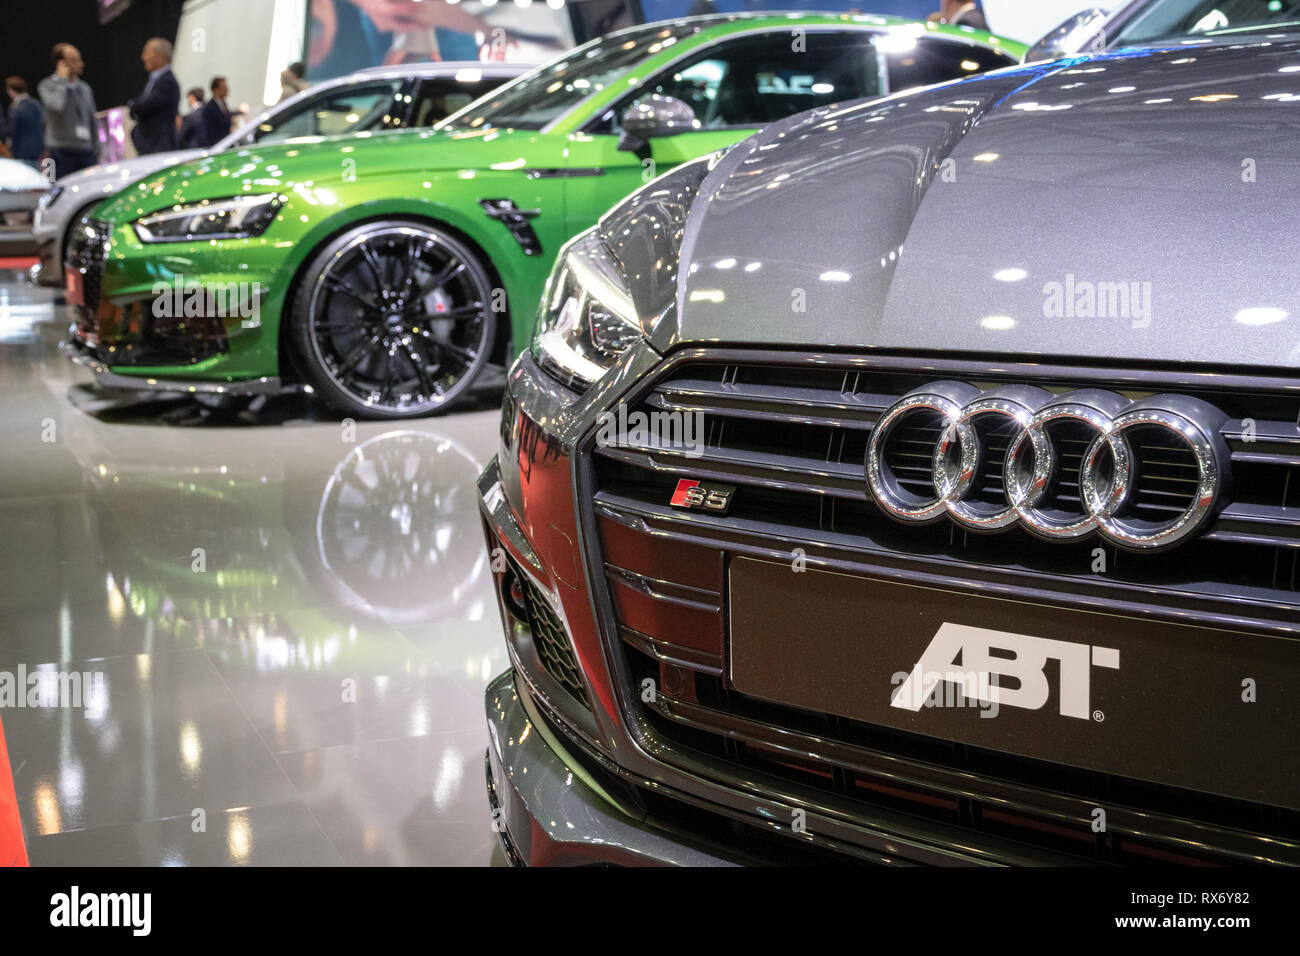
column 50, row 198
column 240, row 217
column 587, row 316
column 614, row 284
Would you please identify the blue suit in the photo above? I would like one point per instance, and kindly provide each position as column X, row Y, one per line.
column 214, row 123
column 155, row 111
column 27, row 130
column 192, row 129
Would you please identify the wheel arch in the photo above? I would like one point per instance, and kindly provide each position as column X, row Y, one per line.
column 441, row 217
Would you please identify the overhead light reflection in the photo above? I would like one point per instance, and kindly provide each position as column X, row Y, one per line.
column 1261, row 316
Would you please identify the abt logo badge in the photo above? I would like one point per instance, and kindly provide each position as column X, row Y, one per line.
column 979, row 660
column 702, row 496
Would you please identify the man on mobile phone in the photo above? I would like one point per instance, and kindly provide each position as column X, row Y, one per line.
column 69, row 112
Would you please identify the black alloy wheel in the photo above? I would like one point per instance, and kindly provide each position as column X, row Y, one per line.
column 394, row 320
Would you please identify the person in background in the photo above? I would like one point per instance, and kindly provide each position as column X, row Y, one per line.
column 155, row 109
column 958, row 13
column 26, row 134
column 292, row 80
column 215, row 118
column 191, row 124
column 69, row 112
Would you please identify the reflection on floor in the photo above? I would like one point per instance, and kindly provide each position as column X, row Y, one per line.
column 290, row 619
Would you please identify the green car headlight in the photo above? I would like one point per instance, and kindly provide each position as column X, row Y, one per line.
column 587, row 317
column 239, row 217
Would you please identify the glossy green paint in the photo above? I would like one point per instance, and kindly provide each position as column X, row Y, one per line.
column 330, row 184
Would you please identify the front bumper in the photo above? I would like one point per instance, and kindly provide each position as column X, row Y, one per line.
column 17, row 211
column 614, row 594
column 17, row 241
column 50, row 254
column 187, row 318
column 81, row 354
column 548, row 809
column 538, row 536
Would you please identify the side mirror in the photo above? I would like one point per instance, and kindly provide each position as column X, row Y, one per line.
column 655, row 115
column 1085, row 32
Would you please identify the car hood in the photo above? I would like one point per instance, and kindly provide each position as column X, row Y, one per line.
column 127, row 171
column 1126, row 207
column 19, row 177
column 312, row 162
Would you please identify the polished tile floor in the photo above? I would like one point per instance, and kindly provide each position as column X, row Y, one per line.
column 293, row 622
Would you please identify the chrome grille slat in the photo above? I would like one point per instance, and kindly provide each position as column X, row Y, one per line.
column 767, row 471
column 1264, row 609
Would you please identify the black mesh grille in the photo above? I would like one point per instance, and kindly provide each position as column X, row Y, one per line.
column 551, row 642
column 86, row 254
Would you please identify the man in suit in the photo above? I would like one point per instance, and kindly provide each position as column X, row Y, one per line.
column 191, row 124
column 26, row 123
column 156, row 108
column 215, row 118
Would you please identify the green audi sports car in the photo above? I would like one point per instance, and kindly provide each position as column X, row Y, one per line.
column 387, row 270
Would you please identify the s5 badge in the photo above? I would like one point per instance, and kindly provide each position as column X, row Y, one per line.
column 702, row 496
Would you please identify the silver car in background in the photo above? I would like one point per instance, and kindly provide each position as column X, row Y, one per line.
column 385, row 97
column 1108, row 25
column 21, row 188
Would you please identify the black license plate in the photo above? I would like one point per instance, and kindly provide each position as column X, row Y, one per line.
column 1199, row 708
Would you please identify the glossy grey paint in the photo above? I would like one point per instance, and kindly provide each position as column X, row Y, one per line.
column 895, row 248
column 549, row 811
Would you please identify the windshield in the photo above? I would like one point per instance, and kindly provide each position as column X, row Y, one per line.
column 1168, row 20
column 548, row 92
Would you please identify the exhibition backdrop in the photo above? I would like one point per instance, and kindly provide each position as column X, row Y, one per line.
column 345, row 35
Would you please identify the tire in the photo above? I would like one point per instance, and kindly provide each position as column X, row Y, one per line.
column 393, row 319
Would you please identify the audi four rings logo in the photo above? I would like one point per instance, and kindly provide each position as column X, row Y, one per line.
column 1145, row 474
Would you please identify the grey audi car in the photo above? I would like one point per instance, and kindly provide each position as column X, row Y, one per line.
column 919, row 482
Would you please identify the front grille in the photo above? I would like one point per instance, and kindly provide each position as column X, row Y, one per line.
column 87, row 254
column 794, row 438
column 137, row 332
column 551, row 641
column 791, row 432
